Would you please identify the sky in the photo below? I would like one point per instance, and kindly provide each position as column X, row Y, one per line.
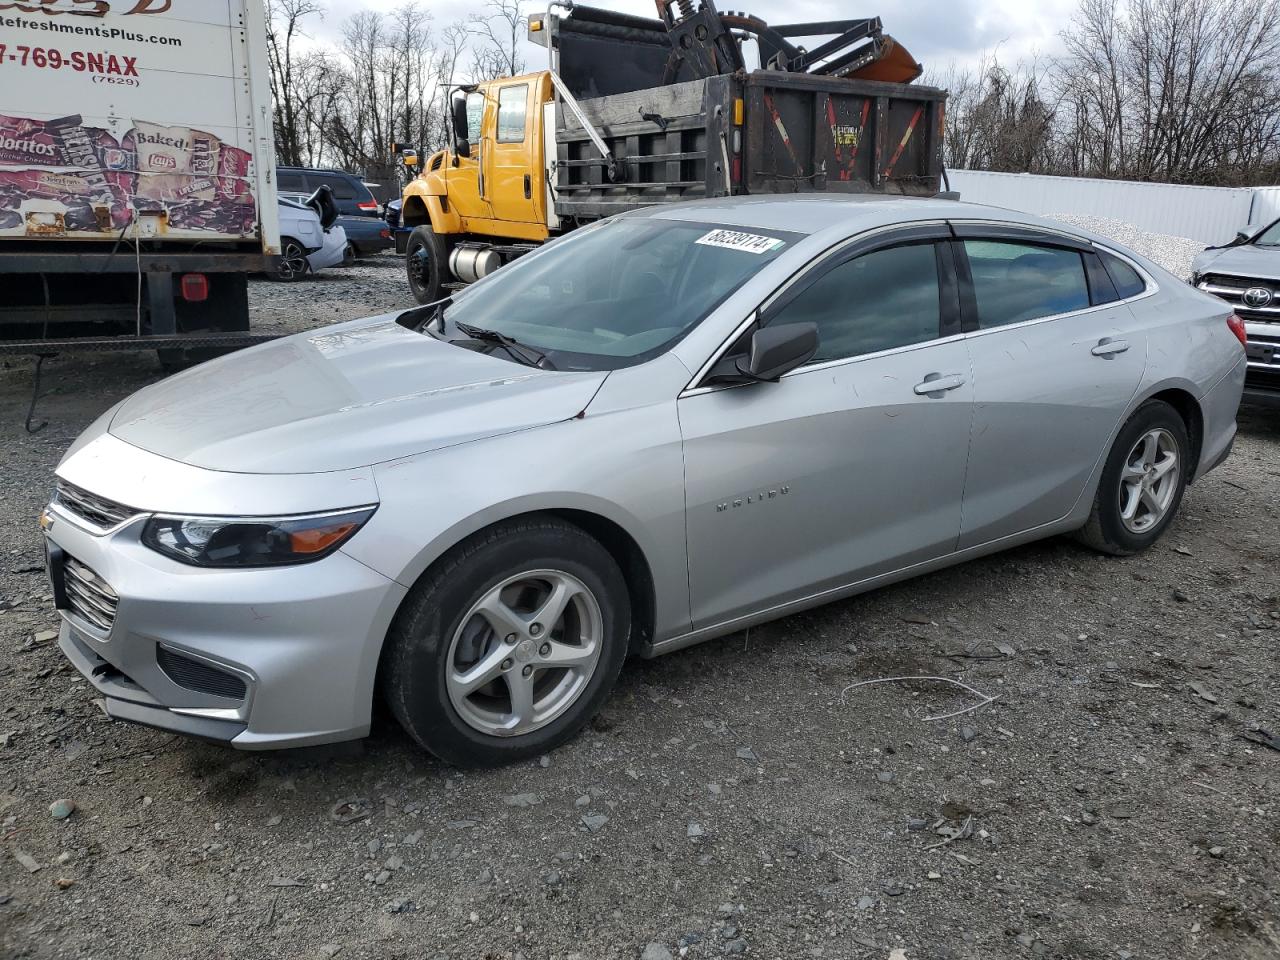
column 937, row 32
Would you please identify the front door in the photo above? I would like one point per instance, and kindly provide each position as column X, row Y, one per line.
column 466, row 194
column 1056, row 361
column 512, row 156
column 848, row 467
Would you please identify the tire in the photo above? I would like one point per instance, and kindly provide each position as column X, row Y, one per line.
column 439, row 635
column 350, row 254
column 426, row 264
column 292, row 265
column 1133, row 465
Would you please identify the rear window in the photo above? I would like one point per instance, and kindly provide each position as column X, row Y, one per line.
column 1128, row 281
column 343, row 189
column 1016, row 282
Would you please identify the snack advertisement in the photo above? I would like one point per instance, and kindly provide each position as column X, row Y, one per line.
column 122, row 112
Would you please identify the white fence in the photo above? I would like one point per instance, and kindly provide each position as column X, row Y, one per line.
column 1207, row 214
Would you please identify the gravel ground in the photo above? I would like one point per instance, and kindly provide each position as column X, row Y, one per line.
column 1173, row 253
column 1116, row 801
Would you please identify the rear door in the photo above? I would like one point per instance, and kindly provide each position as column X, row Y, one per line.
column 1056, row 358
column 848, row 467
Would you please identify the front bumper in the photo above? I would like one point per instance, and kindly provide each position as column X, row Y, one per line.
column 258, row 659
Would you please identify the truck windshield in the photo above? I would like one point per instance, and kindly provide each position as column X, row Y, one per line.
column 1269, row 237
column 619, row 293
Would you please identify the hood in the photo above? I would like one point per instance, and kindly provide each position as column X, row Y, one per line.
column 1246, row 260
column 346, row 396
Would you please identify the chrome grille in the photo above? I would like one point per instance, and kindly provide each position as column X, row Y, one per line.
column 99, row 511
column 88, row 595
column 1233, row 283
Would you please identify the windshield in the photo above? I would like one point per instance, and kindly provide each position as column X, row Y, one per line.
column 1269, row 237
column 619, row 293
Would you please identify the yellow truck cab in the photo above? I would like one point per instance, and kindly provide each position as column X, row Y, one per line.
column 636, row 111
column 491, row 186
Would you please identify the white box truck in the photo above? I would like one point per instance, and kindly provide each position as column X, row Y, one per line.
column 137, row 173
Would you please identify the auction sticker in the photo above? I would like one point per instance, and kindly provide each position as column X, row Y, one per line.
column 733, row 240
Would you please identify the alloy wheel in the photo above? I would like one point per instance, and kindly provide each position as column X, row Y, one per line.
column 1149, row 480
column 293, row 261
column 524, row 653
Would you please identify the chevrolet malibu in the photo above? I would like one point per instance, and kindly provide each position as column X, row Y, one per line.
column 659, row 429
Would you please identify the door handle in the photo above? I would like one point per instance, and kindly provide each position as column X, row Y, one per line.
column 1109, row 348
column 528, row 187
column 936, row 384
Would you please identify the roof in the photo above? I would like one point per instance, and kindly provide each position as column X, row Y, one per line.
column 812, row 213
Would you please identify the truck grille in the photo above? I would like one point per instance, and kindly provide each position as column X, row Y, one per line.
column 1222, row 280
column 98, row 511
column 197, row 675
column 1232, row 290
column 89, row 596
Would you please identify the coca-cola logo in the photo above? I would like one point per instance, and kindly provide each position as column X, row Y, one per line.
column 88, row 8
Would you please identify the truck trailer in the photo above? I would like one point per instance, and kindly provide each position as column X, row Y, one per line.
column 137, row 173
column 635, row 111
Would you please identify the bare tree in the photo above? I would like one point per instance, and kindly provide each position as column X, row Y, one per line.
column 284, row 27
column 496, row 35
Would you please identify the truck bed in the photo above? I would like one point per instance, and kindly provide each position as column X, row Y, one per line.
column 798, row 133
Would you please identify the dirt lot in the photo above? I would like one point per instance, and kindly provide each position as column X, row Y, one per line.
column 1115, row 801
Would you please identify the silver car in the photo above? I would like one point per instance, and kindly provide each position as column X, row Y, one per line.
column 1246, row 273
column 659, row 429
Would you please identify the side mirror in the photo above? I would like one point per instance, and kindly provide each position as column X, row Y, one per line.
column 1242, row 236
column 778, row 350
column 772, row 352
column 460, row 142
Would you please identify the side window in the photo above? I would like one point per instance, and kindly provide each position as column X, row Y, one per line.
column 880, row 300
column 475, row 113
column 290, row 182
column 512, row 104
column 1128, row 281
column 1014, row 282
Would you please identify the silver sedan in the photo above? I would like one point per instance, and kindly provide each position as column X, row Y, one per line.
column 658, row 429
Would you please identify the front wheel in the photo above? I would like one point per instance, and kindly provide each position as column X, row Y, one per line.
column 425, row 264
column 508, row 645
column 1142, row 483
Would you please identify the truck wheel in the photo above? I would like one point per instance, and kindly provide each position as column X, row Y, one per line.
column 509, row 644
column 293, row 263
column 426, row 262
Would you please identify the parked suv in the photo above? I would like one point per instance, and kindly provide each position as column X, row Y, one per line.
column 1246, row 273
column 353, row 197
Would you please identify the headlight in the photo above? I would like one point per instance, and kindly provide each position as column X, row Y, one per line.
column 252, row 541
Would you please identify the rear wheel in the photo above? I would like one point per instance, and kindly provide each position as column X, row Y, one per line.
column 425, row 263
column 1142, row 482
column 509, row 644
column 292, row 264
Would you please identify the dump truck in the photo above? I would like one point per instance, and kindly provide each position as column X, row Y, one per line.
column 634, row 111
column 137, row 173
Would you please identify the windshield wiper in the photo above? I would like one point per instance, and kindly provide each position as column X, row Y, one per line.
column 522, row 352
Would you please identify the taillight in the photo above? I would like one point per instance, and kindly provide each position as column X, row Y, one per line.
column 385, row 234
column 1237, row 327
column 195, row 287
column 371, row 205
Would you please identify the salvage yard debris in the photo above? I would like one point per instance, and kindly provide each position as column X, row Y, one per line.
column 986, row 699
